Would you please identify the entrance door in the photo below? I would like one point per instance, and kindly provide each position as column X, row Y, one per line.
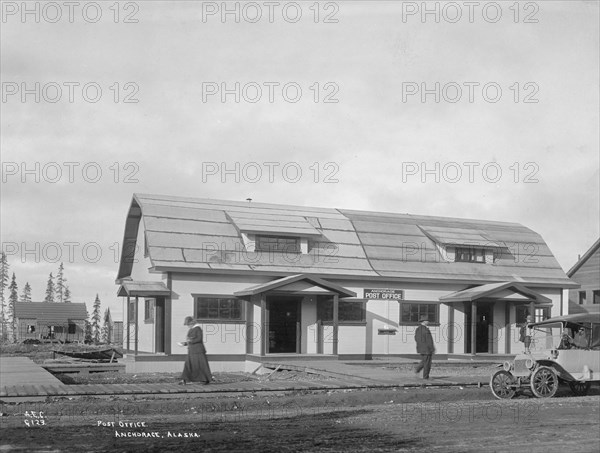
column 484, row 325
column 484, row 335
column 159, row 324
column 283, row 324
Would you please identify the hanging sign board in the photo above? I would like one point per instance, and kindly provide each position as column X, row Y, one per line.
column 384, row 294
column 386, row 331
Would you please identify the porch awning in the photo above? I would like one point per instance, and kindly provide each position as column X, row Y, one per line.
column 297, row 284
column 507, row 291
column 144, row 289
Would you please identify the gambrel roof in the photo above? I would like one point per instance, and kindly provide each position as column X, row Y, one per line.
column 206, row 235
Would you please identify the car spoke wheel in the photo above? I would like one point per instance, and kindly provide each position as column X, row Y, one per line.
column 580, row 388
column 502, row 384
column 544, row 382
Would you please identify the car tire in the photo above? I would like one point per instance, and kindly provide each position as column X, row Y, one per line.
column 502, row 385
column 544, row 382
column 580, row 388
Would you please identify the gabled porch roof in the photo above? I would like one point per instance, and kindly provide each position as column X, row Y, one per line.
column 292, row 283
column 143, row 289
column 509, row 291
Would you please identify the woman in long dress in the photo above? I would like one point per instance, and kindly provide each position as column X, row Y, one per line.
column 196, row 368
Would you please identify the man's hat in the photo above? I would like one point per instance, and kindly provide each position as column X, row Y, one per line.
column 423, row 318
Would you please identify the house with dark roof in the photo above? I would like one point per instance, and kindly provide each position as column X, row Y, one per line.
column 269, row 280
column 586, row 272
column 50, row 321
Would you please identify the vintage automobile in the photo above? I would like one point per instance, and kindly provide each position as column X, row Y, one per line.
column 563, row 349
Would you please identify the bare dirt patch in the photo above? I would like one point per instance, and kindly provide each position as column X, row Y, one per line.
column 440, row 368
column 159, row 378
column 417, row 419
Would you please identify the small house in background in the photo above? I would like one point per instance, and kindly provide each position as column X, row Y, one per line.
column 114, row 329
column 50, row 321
column 586, row 272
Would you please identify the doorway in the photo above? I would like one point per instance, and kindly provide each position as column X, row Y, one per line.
column 484, row 333
column 484, row 325
column 159, row 326
column 283, row 324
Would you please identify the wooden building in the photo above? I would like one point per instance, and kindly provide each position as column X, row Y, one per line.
column 114, row 329
column 586, row 272
column 269, row 280
column 50, row 321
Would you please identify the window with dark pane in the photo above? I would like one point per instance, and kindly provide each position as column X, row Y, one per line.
column 521, row 314
column 277, row 244
column 410, row 313
column 218, row 308
column 148, row 309
column 348, row 311
column 469, row 255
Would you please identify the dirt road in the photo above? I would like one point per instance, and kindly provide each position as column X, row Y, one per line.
column 409, row 420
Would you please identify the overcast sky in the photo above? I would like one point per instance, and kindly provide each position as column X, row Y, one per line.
column 337, row 108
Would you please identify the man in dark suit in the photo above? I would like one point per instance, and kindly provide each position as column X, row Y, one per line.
column 581, row 339
column 425, row 347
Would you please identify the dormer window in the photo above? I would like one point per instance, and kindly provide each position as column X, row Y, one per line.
column 282, row 244
column 270, row 233
column 469, row 255
column 462, row 245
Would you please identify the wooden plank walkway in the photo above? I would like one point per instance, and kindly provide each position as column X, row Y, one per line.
column 21, row 378
column 18, row 371
column 36, row 390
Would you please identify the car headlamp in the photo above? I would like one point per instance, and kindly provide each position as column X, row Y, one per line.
column 530, row 364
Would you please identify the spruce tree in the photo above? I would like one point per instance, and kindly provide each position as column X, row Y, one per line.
column 13, row 289
column 96, row 320
column 67, row 295
column 3, row 285
column 50, row 290
column 13, row 298
column 60, row 284
column 88, row 328
column 105, row 334
column 26, row 295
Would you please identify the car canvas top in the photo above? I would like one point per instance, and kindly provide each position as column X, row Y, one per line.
column 576, row 318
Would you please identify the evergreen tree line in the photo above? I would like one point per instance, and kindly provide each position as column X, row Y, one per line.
column 94, row 332
column 57, row 291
